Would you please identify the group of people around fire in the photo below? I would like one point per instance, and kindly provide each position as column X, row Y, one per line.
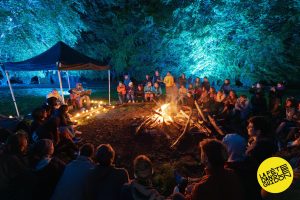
column 46, row 160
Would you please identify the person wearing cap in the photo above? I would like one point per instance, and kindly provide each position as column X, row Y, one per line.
column 141, row 187
column 105, row 181
column 54, row 93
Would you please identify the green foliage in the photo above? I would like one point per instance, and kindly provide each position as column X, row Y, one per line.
column 249, row 40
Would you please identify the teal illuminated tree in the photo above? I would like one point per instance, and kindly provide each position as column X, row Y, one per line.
column 246, row 39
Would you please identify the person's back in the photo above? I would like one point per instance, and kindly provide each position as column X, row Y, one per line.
column 15, row 175
column 218, row 184
column 71, row 184
column 47, row 169
column 105, row 181
column 141, row 187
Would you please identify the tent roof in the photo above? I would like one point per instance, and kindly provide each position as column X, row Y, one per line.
column 67, row 57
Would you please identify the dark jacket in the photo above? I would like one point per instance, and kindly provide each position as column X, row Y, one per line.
column 71, row 184
column 134, row 191
column 218, row 184
column 49, row 130
column 105, row 182
column 246, row 171
column 14, row 177
column 47, row 178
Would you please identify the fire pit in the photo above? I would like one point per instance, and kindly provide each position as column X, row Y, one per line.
column 175, row 122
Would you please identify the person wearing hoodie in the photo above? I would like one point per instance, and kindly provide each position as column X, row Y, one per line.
column 141, row 187
column 105, row 181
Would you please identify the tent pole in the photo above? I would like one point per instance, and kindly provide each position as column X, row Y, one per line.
column 68, row 80
column 60, row 84
column 12, row 93
column 109, row 87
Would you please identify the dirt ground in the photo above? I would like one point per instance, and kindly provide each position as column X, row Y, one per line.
column 117, row 127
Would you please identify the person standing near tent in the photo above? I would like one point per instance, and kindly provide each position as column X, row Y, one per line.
column 82, row 96
column 169, row 82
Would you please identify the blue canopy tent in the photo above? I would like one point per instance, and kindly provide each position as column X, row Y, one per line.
column 59, row 57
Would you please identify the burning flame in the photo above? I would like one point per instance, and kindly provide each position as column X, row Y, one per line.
column 164, row 116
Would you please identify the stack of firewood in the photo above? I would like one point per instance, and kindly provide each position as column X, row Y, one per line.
column 176, row 124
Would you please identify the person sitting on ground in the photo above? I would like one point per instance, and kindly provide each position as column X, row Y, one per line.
column 39, row 116
column 191, row 89
column 71, row 184
column 275, row 107
column 13, row 167
column 182, row 95
column 237, row 161
column 289, row 121
column 229, row 103
column 121, row 89
column 48, row 130
column 157, row 91
column 66, row 149
column 130, row 93
column 190, row 102
column 293, row 137
column 47, row 169
column 226, row 87
column 204, row 99
column 53, row 106
column 64, row 121
column 212, row 103
column 141, row 187
column 197, row 83
column 261, row 142
column 105, row 181
column 140, row 95
column 213, row 157
column 242, row 108
column 82, row 96
column 149, row 93
column 219, row 101
column 147, row 79
column 54, row 93
column 259, row 103
column 73, row 99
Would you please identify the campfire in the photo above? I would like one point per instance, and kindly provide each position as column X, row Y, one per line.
column 175, row 123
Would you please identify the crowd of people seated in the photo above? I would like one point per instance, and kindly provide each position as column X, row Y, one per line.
column 45, row 162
